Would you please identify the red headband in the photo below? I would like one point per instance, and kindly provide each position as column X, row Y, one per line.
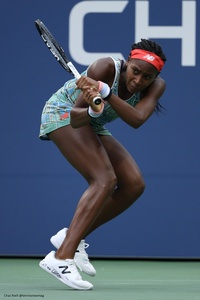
column 149, row 57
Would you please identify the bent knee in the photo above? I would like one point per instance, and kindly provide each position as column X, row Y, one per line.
column 110, row 181
column 106, row 181
column 140, row 186
column 137, row 186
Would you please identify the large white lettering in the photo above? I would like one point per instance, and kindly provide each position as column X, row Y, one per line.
column 186, row 32
column 76, row 28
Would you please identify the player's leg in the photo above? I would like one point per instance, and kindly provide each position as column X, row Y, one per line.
column 84, row 150
column 130, row 183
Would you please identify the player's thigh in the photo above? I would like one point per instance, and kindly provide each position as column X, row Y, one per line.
column 126, row 169
column 84, row 151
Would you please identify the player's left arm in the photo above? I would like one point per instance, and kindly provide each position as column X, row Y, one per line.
column 136, row 116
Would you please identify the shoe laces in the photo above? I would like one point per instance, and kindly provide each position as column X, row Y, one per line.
column 81, row 249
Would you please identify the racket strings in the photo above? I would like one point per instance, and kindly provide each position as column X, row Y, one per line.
column 53, row 46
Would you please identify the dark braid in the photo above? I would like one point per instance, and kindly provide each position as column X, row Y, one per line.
column 155, row 48
column 150, row 46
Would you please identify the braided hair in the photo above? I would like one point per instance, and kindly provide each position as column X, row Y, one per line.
column 150, row 46
column 153, row 47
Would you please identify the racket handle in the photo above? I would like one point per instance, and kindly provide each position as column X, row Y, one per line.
column 97, row 100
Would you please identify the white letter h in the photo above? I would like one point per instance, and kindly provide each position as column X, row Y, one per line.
column 186, row 32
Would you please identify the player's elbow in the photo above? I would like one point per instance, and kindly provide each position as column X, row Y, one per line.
column 74, row 124
column 137, row 122
column 73, row 119
column 140, row 119
column 77, row 120
column 137, row 125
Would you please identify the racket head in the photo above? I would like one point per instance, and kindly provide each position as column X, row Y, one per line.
column 53, row 45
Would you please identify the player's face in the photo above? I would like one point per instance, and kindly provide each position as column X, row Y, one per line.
column 139, row 75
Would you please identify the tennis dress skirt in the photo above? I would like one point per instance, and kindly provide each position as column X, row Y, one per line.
column 56, row 114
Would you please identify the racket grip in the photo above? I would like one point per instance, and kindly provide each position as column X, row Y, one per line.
column 97, row 100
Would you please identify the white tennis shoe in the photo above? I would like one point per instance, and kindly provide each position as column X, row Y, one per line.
column 64, row 270
column 81, row 257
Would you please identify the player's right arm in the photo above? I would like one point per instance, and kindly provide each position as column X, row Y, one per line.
column 103, row 70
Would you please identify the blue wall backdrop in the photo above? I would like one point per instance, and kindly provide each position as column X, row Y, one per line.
column 39, row 190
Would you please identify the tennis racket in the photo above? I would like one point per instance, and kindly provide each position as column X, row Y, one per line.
column 58, row 52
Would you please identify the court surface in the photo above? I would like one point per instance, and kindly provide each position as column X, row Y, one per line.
column 116, row 279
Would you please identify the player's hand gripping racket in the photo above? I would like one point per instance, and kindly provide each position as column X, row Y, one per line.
column 59, row 53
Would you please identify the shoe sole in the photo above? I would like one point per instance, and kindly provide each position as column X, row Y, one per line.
column 54, row 273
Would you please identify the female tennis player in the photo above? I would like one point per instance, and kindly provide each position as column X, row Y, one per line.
column 130, row 90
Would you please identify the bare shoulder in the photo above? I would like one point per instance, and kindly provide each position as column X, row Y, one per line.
column 102, row 69
column 159, row 82
column 155, row 90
